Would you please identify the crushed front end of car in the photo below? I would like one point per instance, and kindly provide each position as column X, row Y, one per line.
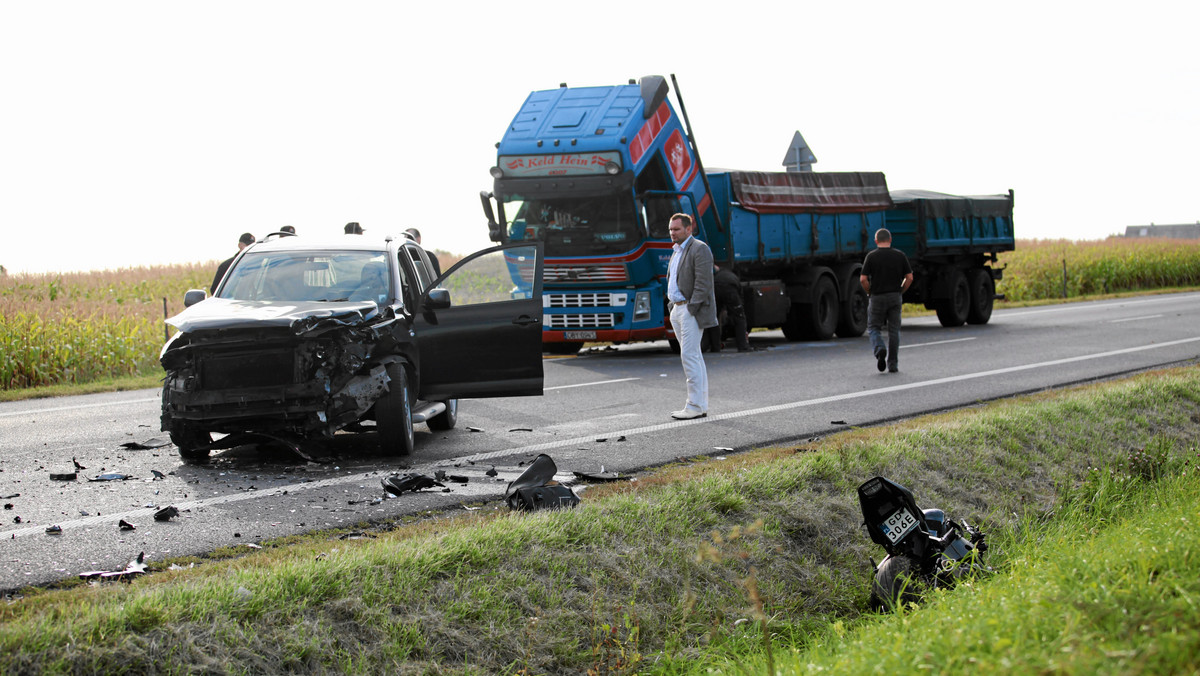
column 287, row 371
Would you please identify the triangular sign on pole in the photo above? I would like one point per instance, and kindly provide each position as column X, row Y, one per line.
column 799, row 156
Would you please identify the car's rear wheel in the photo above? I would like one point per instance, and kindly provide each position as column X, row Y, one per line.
column 393, row 413
column 190, row 441
column 446, row 419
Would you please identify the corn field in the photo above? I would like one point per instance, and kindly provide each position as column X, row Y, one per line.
column 1035, row 269
column 86, row 326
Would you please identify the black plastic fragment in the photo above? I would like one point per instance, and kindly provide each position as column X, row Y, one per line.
column 400, row 484
column 166, row 513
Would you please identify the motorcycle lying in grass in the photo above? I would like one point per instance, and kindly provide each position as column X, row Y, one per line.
column 925, row 550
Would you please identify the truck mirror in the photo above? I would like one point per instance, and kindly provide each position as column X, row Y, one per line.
column 493, row 227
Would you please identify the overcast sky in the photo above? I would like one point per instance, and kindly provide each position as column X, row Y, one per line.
column 137, row 133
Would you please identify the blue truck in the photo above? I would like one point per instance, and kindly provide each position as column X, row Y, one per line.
column 596, row 172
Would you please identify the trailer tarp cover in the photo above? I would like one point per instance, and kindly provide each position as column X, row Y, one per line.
column 810, row 192
column 941, row 205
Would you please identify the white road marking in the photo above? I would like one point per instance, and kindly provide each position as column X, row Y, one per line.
column 1132, row 319
column 598, row 382
column 939, row 342
column 559, row 443
column 79, row 406
column 1068, row 307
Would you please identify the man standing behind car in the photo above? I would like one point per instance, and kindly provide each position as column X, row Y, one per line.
column 693, row 305
column 885, row 276
column 244, row 241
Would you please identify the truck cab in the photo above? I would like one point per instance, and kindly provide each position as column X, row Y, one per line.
column 595, row 173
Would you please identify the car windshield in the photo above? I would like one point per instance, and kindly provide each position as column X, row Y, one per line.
column 299, row 276
column 576, row 226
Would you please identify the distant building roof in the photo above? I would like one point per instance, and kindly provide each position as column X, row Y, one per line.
column 1185, row 231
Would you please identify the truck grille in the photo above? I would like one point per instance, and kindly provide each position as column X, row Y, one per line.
column 585, row 273
column 582, row 321
column 584, row 299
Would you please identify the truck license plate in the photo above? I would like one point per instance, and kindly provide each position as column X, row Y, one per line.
column 579, row 335
column 898, row 525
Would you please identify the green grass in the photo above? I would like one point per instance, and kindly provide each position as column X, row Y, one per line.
column 680, row 571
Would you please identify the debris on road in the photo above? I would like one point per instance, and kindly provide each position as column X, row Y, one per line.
column 125, row 525
column 838, row 422
column 112, row 476
column 136, row 567
column 78, row 467
column 157, row 474
column 63, row 476
column 399, row 484
column 536, row 488
column 53, row 530
column 474, row 429
column 492, row 471
column 521, row 429
column 166, row 513
column 601, row 477
column 153, row 442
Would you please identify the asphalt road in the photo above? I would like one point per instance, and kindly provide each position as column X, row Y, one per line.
column 607, row 409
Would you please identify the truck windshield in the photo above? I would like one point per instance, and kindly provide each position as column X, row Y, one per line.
column 575, row 226
column 298, row 276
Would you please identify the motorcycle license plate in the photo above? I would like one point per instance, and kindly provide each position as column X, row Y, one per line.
column 898, row 525
column 579, row 335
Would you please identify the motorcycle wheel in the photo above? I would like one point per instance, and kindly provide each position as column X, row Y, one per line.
column 897, row 581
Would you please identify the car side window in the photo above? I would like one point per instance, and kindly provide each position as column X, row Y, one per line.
column 420, row 266
column 493, row 277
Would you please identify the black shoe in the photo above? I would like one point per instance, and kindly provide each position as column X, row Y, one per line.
column 881, row 359
column 893, row 369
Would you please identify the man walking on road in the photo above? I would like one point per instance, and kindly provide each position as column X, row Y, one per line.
column 885, row 276
column 693, row 306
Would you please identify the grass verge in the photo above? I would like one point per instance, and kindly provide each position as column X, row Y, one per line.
column 675, row 573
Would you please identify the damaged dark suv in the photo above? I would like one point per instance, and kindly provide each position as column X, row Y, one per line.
column 304, row 338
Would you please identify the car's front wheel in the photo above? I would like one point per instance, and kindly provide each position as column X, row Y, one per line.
column 190, row 441
column 393, row 413
column 446, row 419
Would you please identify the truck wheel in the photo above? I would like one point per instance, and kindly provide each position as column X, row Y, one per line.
column 821, row 314
column 446, row 419
column 953, row 311
column 187, row 438
column 852, row 320
column 983, row 292
column 393, row 413
column 897, row 581
column 562, row 348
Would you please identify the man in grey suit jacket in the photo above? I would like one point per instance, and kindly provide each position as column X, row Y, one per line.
column 693, row 302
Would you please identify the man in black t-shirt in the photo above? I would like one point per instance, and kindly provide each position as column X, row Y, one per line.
column 244, row 241
column 885, row 276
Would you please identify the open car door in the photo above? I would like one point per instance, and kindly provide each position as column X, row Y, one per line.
column 485, row 339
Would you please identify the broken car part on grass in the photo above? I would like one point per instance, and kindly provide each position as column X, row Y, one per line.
column 536, row 488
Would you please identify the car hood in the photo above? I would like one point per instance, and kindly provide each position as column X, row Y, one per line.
column 301, row 317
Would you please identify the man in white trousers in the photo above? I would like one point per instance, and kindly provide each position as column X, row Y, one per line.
column 692, row 299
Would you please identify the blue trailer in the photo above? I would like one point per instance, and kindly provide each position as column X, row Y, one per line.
column 595, row 173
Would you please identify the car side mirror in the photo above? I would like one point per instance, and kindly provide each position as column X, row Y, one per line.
column 437, row 299
column 194, row 296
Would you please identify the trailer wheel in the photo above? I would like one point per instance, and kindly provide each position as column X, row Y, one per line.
column 953, row 311
column 822, row 311
column 983, row 293
column 852, row 320
column 562, row 348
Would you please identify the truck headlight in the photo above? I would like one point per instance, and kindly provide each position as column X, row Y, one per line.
column 641, row 305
